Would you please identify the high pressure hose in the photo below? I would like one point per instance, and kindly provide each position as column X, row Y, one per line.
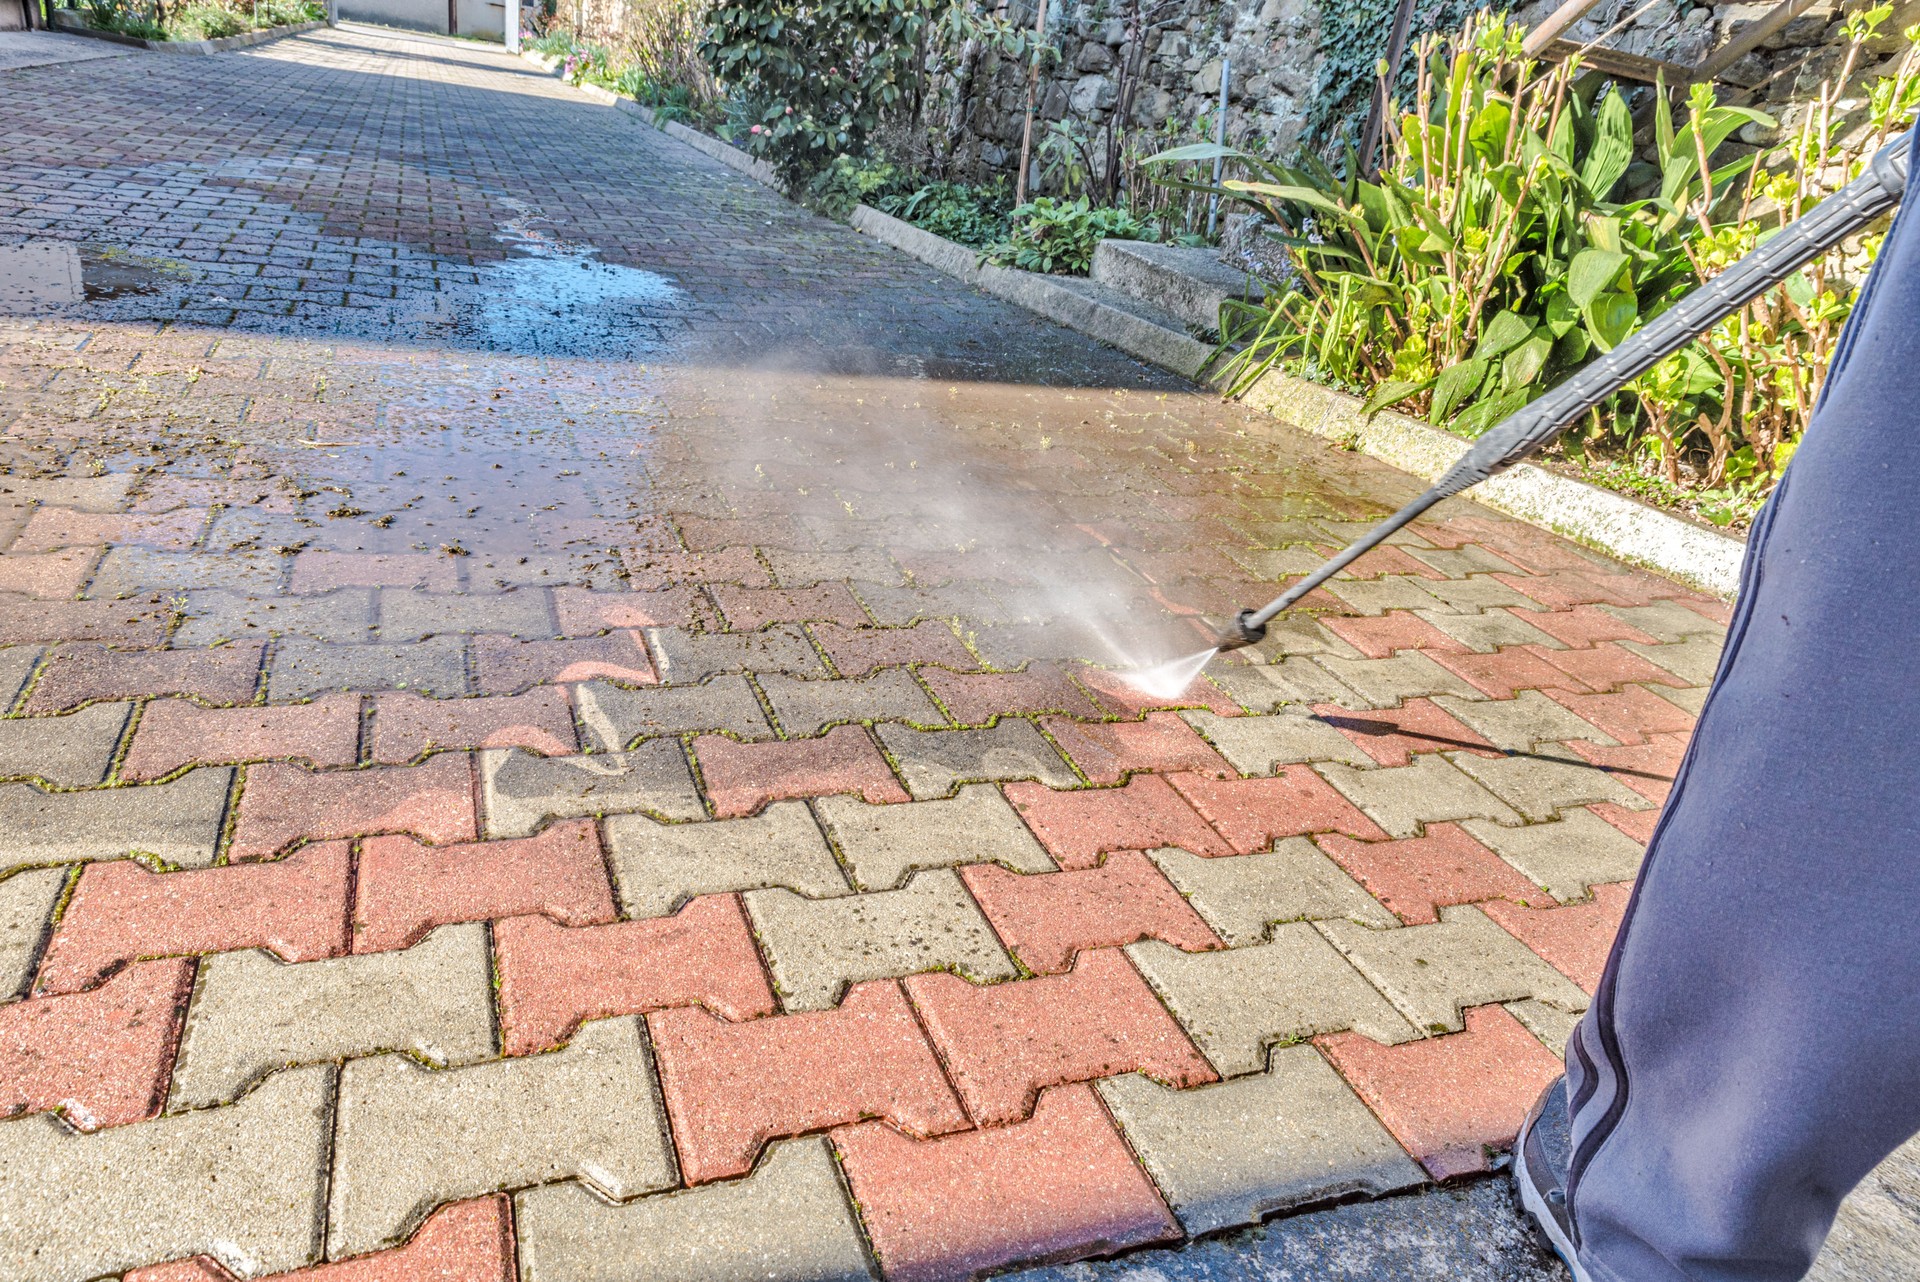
column 1522, row 433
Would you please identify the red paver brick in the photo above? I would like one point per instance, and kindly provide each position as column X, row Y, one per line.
column 742, row 777
column 583, row 612
column 1448, row 1099
column 52, row 576
column 1112, row 688
column 122, row 623
column 77, row 674
column 178, row 732
column 502, row 665
column 1719, row 611
column 1505, row 673
column 1386, row 559
column 1004, row 1043
column 1630, row 715
column 1562, row 589
column 104, row 1056
column 1058, row 1187
column 405, row 889
column 553, row 977
column 1254, row 813
column 856, row 651
column 730, row 1088
column 750, row 609
column 656, row 569
column 1607, row 667
column 1078, row 827
column 296, row 908
column 1380, row 637
column 1583, row 625
column 317, row 571
column 1046, row 919
column 1574, row 939
column 711, row 533
column 1106, row 750
column 1648, row 768
column 1391, row 736
column 468, row 1241
column 281, row 804
column 405, row 725
column 1416, row 875
column 975, row 699
column 1637, row 824
column 50, row 528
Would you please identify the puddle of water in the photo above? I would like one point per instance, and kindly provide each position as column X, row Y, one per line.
column 44, row 275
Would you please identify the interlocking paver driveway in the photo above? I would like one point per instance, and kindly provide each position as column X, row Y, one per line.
column 521, row 649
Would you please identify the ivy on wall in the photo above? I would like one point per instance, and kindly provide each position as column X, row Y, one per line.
column 1353, row 40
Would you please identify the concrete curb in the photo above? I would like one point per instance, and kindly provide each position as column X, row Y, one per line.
column 1612, row 523
column 224, row 44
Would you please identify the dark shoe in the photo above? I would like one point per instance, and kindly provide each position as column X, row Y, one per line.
column 1541, row 1157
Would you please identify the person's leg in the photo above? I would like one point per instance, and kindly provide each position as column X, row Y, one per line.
column 1754, row 1047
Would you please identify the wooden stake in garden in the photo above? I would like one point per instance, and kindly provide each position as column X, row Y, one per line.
column 1033, row 89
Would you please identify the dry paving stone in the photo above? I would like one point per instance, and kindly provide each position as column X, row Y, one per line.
column 817, row 947
column 615, row 716
column 17, row 663
column 1542, row 784
column 521, row 790
column 343, row 617
column 1568, row 856
column 1404, row 799
column 410, row 1137
column 177, row 823
column 1520, row 723
column 1264, row 687
column 253, row 1013
column 1387, row 683
column 1486, row 633
column 881, row 844
column 1388, row 592
column 1666, row 621
column 414, row 616
column 241, row 1183
column 1241, row 896
column 1433, row 973
column 935, row 762
column 657, row 867
column 1259, row 745
column 1553, row 1026
column 70, row 751
column 1693, row 659
column 805, row 708
column 1478, row 593
column 1237, row 1151
column 685, row 658
column 788, row 1220
column 302, row 668
column 27, row 899
column 1236, row 1003
column 1692, row 700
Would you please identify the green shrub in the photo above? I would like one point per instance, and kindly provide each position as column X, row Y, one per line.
column 847, row 182
column 1048, row 235
column 975, row 216
column 208, row 21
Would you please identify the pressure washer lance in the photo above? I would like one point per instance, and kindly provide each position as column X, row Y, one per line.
column 1525, row 431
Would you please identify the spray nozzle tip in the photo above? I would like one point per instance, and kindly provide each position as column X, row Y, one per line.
column 1243, row 631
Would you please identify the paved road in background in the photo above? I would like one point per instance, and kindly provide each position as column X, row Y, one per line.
column 565, row 718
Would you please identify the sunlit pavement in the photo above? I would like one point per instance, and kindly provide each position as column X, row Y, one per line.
column 568, row 716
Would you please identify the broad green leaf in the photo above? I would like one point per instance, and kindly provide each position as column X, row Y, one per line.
column 1503, row 333
column 1475, row 421
column 1591, row 272
column 1197, row 151
column 1610, row 318
column 1524, row 363
column 1392, row 392
column 1612, row 149
column 1454, row 385
column 1562, row 313
column 1297, row 195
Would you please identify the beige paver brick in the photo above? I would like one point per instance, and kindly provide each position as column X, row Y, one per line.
column 1236, row 1151
column 657, row 867
column 1236, row 1003
column 1259, row 745
column 790, row 1219
column 520, row 790
column 17, row 663
column 807, row 707
column 1487, row 632
column 1691, row 700
column 1520, row 723
column 1542, row 784
column 1693, row 659
column 1666, row 621
column 1240, row 896
column 1387, row 683
column 934, row 762
column 883, row 843
column 1550, row 1024
column 816, row 947
column 1388, row 592
column 176, row 822
column 252, row 1013
column 615, row 716
column 1433, row 973
column 406, row 615
column 213, row 616
column 1479, row 592
column 1569, row 856
column 69, row 751
column 245, row 1184
column 27, row 899
column 1404, row 799
column 410, row 1138
column 684, row 658
column 302, row 668
column 1263, row 687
